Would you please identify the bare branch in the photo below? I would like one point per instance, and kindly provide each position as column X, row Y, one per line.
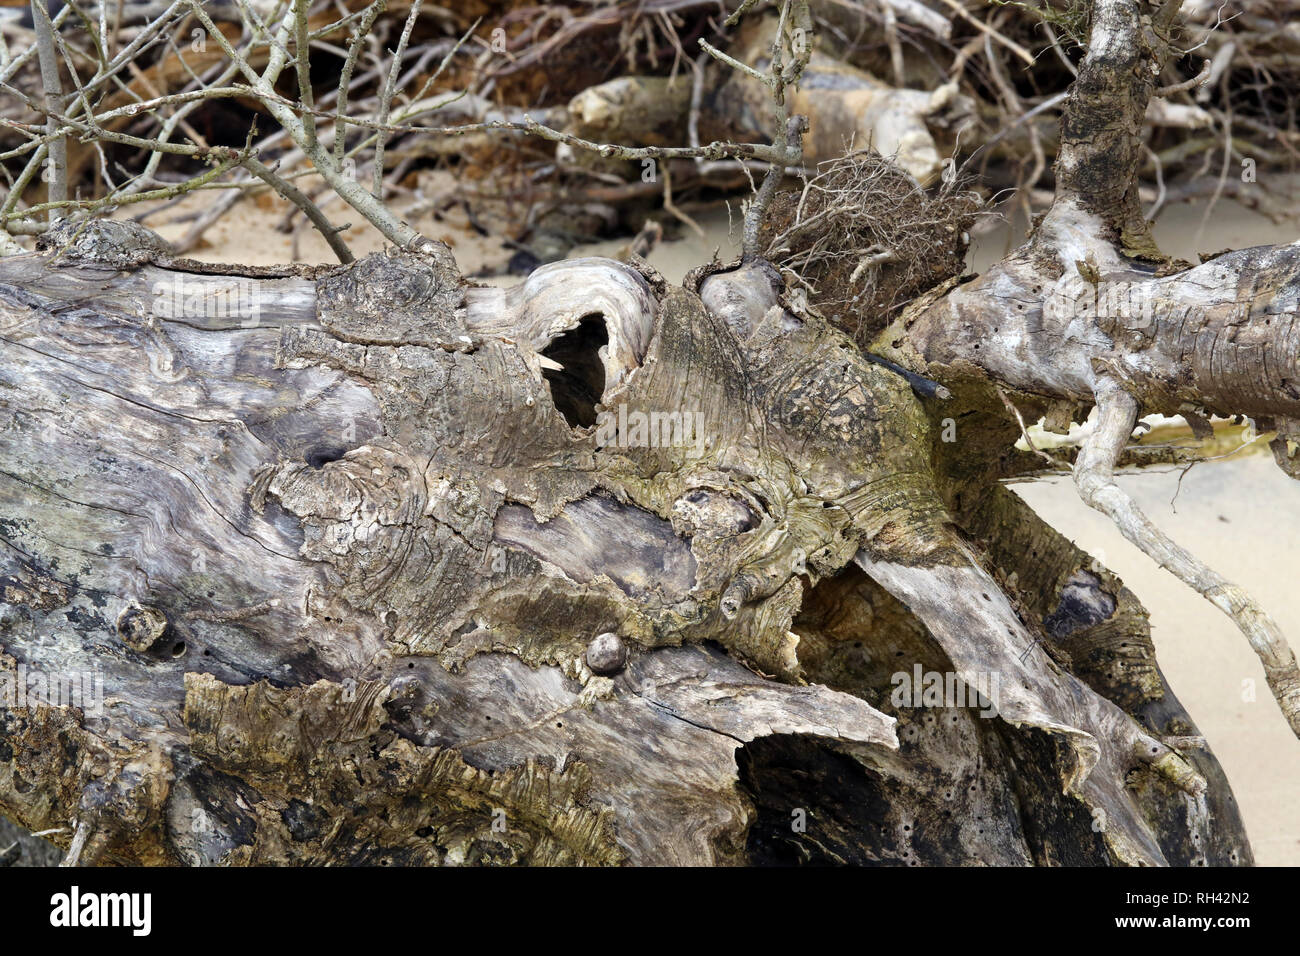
column 386, row 99
column 1094, row 475
column 53, row 90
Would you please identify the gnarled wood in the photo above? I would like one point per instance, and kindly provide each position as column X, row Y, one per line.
column 338, row 568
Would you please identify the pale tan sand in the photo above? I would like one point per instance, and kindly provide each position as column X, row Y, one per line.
column 249, row 234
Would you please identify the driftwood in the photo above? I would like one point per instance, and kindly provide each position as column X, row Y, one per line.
column 339, row 564
column 369, row 565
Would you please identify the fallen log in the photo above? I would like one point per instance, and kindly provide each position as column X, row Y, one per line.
column 363, row 581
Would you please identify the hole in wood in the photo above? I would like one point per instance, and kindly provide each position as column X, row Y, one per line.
column 577, row 388
column 322, row 454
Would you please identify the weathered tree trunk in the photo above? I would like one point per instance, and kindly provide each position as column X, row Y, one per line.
column 338, row 566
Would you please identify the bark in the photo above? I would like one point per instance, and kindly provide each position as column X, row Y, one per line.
column 392, row 624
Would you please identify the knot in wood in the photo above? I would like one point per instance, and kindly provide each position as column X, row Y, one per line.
column 606, row 654
column 140, row 627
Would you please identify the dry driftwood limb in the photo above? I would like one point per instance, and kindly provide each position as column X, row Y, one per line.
column 847, row 108
column 1094, row 475
column 53, row 90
